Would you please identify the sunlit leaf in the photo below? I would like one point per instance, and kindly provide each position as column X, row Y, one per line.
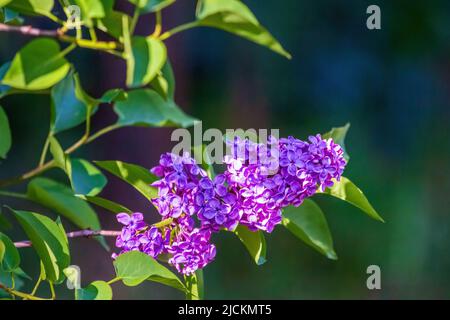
column 145, row 107
column 148, row 57
column 11, row 257
column 86, row 179
column 48, row 241
column 309, row 224
column 139, row 177
column 5, row 134
column 134, row 267
column 147, row 6
column 39, row 65
column 61, row 199
column 106, row 204
column 254, row 242
column 338, row 135
column 348, row 191
column 97, row 290
column 32, row 7
column 90, row 9
column 235, row 17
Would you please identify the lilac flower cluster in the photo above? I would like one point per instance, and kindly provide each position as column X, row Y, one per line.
column 259, row 181
column 138, row 236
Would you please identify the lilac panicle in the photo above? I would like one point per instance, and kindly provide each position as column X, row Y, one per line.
column 259, row 181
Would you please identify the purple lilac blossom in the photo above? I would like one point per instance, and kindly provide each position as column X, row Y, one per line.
column 192, row 250
column 259, row 181
column 137, row 235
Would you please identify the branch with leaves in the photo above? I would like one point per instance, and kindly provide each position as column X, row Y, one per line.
column 147, row 98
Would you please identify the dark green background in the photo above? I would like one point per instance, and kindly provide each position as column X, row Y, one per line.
column 391, row 84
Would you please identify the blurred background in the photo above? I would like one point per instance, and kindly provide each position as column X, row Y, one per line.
column 392, row 85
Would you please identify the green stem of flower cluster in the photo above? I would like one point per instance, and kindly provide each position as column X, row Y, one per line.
column 178, row 29
column 21, row 294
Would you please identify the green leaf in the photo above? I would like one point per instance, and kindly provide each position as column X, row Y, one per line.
column 134, row 267
column 4, row 223
column 11, row 256
column 112, row 24
column 348, row 191
column 139, row 177
column 4, row 90
column 106, row 204
column 61, row 199
column 58, row 153
column 11, row 17
column 164, row 82
column 254, row 242
column 145, row 107
column 113, row 95
column 90, row 9
column 20, row 273
column 48, row 241
column 147, row 6
column 5, row 134
column 39, row 65
column 2, row 251
column 4, row 3
column 195, row 286
column 308, row 223
column 235, row 17
column 86, row 178
column 70, row 104
column 32, row 7
column 97, row 290
column 338, row 135
column 147, row 59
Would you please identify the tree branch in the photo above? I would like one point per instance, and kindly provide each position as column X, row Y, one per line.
column 93, row 233
column 60, row 35
column 76, row 234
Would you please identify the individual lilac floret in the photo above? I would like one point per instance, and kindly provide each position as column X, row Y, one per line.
column 191, row 251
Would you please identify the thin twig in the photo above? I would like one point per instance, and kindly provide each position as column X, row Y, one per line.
column 59, row 34
column 93, row 233
column 76, row 234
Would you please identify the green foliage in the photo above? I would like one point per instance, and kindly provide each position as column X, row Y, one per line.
column 49, row 242
column 254, row 242
column 4, row 3
column 348, row 191
column 39, row 65
column 139, row 177
column 86, row 178
column 9, row 255
column 147, row 6
column 338, row 135
column 31, row 7
column 90, row 10
column 195, row 286
column 70, row 104
column 308, row 223
column 5, row 134
column 97, row 290
column 106, row 204
column 135, row 267
column 147, row 58
column 235, row 17
column 62, row 200
column 164, row 82
column 145, row 107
